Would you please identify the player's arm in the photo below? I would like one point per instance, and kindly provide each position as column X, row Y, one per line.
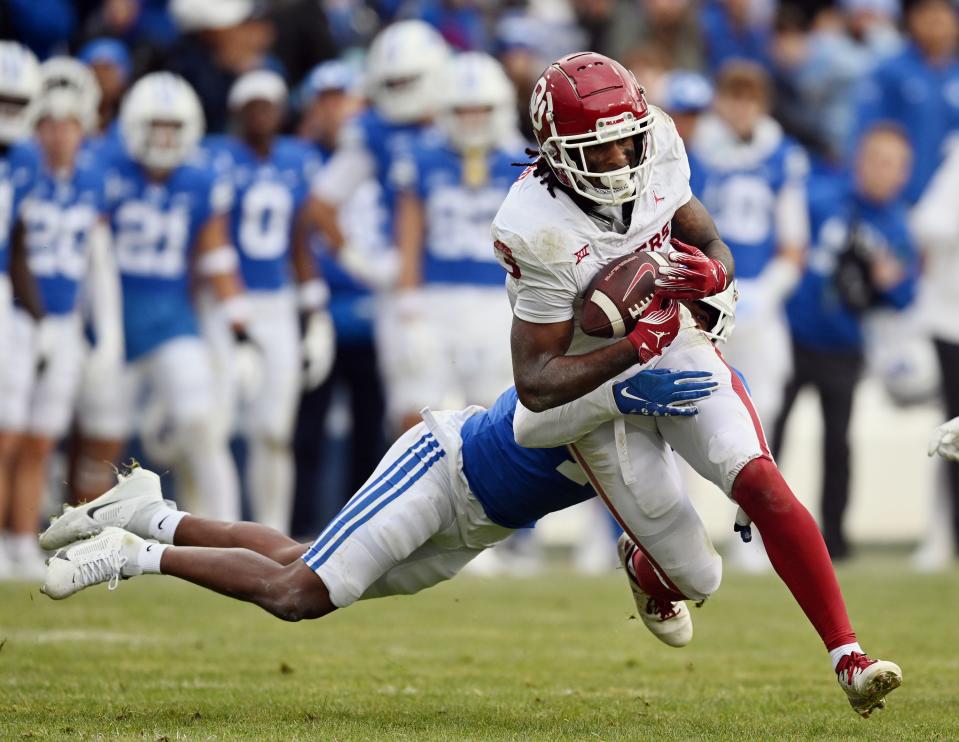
column 703, row 263
column 410, row 231
column 217, row 263
column 650, row 392
column 24, row 285
column 103, row 295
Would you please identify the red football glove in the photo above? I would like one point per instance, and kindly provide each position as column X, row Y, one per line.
column 692, row 275
column 655, row 330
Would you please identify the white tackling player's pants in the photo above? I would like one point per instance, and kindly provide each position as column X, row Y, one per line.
column 413, row 524
column 180, row 373
column 267, row 419
column 631, row 465
column 41, row 404
column 456, row 352
column 761, row 350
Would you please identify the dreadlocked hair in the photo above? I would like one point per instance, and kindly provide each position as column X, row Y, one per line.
column 541, row 170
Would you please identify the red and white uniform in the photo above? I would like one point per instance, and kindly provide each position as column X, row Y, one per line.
column 552, row 248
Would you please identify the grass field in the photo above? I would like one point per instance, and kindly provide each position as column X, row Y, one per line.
column 555, row 658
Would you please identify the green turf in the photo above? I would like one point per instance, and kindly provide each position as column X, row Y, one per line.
column 553, row 658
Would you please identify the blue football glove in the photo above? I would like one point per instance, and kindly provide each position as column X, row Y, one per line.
column 661, row 392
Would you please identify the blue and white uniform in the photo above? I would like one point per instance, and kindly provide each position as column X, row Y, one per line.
column 16, row 173
column 755, row 192
column 267, row 194
column 449, row 488
column 155, row 226
column 427, row 358
column 60, row 214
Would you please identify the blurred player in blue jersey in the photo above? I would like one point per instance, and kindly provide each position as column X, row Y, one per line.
column 403, row 74
column 270, row 177
column 169, row 218
column 98, row 436
column 751, row 178
column 449, row 192
column 19, row 85
column 64, row 233
column 329, row 100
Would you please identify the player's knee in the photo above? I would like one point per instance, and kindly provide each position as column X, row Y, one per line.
column 702, row 579
column 299, row 594
column 760, row 488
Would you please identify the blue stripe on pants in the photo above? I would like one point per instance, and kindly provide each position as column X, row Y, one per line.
column 390, row 478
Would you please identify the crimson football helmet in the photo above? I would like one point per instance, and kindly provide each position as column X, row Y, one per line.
column 586, row 99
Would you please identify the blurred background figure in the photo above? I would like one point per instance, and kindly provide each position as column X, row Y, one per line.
column 110, row 63
column 221, row 41
column 449, row 192
column 751, row 178
column 168, row 216
column 340, row 429
column 269, row 176
column 685, row 97
column 935, row 222
column 63, row 234
column 19, row 86
column 862, row 258
column 736, row 29
column 918, row 88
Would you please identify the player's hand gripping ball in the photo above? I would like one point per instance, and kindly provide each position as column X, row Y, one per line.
column 620, row 293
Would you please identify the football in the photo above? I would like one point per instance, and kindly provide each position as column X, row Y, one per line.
column 619, row 294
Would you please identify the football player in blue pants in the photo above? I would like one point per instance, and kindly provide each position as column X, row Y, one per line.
column 270, row 177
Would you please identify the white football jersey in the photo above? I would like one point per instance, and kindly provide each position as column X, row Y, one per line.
column 551, row 248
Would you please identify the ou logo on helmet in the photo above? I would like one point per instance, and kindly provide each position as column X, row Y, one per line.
column 540, row 104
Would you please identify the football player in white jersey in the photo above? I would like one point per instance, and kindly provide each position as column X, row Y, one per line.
column 449, row 193
column 19, row 85
column 612, row 178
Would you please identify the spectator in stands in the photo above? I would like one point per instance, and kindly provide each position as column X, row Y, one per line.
column 44, row 26
column 328, row 100
column 919, row 88
column 221, row 41
column 110, row 62
column 303, row 38
column 862, row 258
column 671, row 25
column 818, row 59
column 733, row 29
column 686, row 95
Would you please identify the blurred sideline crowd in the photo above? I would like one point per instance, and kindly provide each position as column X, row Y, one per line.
column 247, row 242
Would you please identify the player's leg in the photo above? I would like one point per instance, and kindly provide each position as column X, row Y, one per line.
column 181, row 371
column 100, row 435
column 269, row 425
column 838, row 378
column 52, row 405
column 948, row 355
column 727, row 446
column 761, row 350
column 634, row 473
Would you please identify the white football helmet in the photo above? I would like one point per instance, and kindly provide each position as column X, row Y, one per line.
column 403, row 71
column 19, row 86
column 161, row 121
column 725, row 304
column 70, row 74
column 475, row 80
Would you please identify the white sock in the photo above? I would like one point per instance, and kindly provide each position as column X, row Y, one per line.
column 841, row 651
column 163, row 524
column 148, row 558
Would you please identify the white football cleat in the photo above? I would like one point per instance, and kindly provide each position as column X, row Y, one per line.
column 671, row 623
column 129, row 504
column 108, row 558
column 867, row 682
